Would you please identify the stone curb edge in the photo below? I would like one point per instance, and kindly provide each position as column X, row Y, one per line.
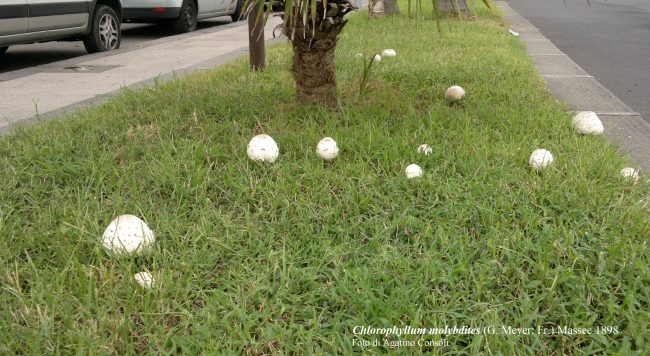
column 582, row 92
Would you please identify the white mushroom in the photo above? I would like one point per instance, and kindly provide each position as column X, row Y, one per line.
column 540, row 159
column 630, row 173
column 376, row 58
column 454, row 93
column 413, row 171
column 262, row 148
column 587, row 122
column 144, row 279
column 127, row 234
column 327, row 149
column 425, row 149
column 388, row 52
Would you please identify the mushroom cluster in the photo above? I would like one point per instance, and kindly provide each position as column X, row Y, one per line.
column 454, row 93
column 263, row 148
column 127, row 235
column 413, row 171
column 327, row 149
column 540, row 159
column 587, row 122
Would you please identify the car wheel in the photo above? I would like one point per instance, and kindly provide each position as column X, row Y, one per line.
column 105, row 32
column 278, row 5
column 3, row 50
column 238, row 12
column 186, row 21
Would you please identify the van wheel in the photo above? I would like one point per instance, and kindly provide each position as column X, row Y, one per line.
column 238, row 12
column 3, row 50
column 105, row 31
column 186, row 21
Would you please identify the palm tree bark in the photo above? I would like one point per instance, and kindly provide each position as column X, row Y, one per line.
column 314, row 43
column 391, row 7
column 376, row 9
column 314, row 70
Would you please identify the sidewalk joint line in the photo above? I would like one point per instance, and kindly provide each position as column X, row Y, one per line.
column 617, row 113
column 567, row 76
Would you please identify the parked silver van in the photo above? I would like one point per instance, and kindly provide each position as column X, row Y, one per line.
column 182, row 14
column 96, row 22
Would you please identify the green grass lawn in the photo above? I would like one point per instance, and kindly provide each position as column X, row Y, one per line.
column 289, row 257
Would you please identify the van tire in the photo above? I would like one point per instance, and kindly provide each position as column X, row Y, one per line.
column 98, row 40
column 186, row 21
column 3, row 50
column 237, row 16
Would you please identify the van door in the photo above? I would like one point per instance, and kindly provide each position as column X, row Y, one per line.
column 230, row 5
column 45, row 15
column 14, row 17
column 207, row 7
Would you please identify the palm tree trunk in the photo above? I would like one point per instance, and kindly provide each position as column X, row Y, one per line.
column 391, row 7
column 376, row 9
column 314, row 43
column 314, row 71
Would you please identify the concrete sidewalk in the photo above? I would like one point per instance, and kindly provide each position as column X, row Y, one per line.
column 55, row 88
column 573, row 85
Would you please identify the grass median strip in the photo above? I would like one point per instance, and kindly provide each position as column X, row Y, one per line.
column 292, row 256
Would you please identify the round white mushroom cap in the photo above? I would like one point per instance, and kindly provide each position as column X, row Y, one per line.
column 389, row 52
column 631, row 173
column 426, row 149
column 144, row 279
column 413, row 171
column 327, row 149
column 376, row 58
column 454, row 93
column 587, row 122
column 540, row 159
column 263, row 148
column 127, row 234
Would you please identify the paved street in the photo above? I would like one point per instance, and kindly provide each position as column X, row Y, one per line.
column 133, row 36
column 610, row 40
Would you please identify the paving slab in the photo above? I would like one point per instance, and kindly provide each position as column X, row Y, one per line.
column 632, row 134
column 558, row 66
column 531, row 35
column 586, row 94
column 542, row 47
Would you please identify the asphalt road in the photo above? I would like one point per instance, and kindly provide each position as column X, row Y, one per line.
column 609, row 39
column 133, row 36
